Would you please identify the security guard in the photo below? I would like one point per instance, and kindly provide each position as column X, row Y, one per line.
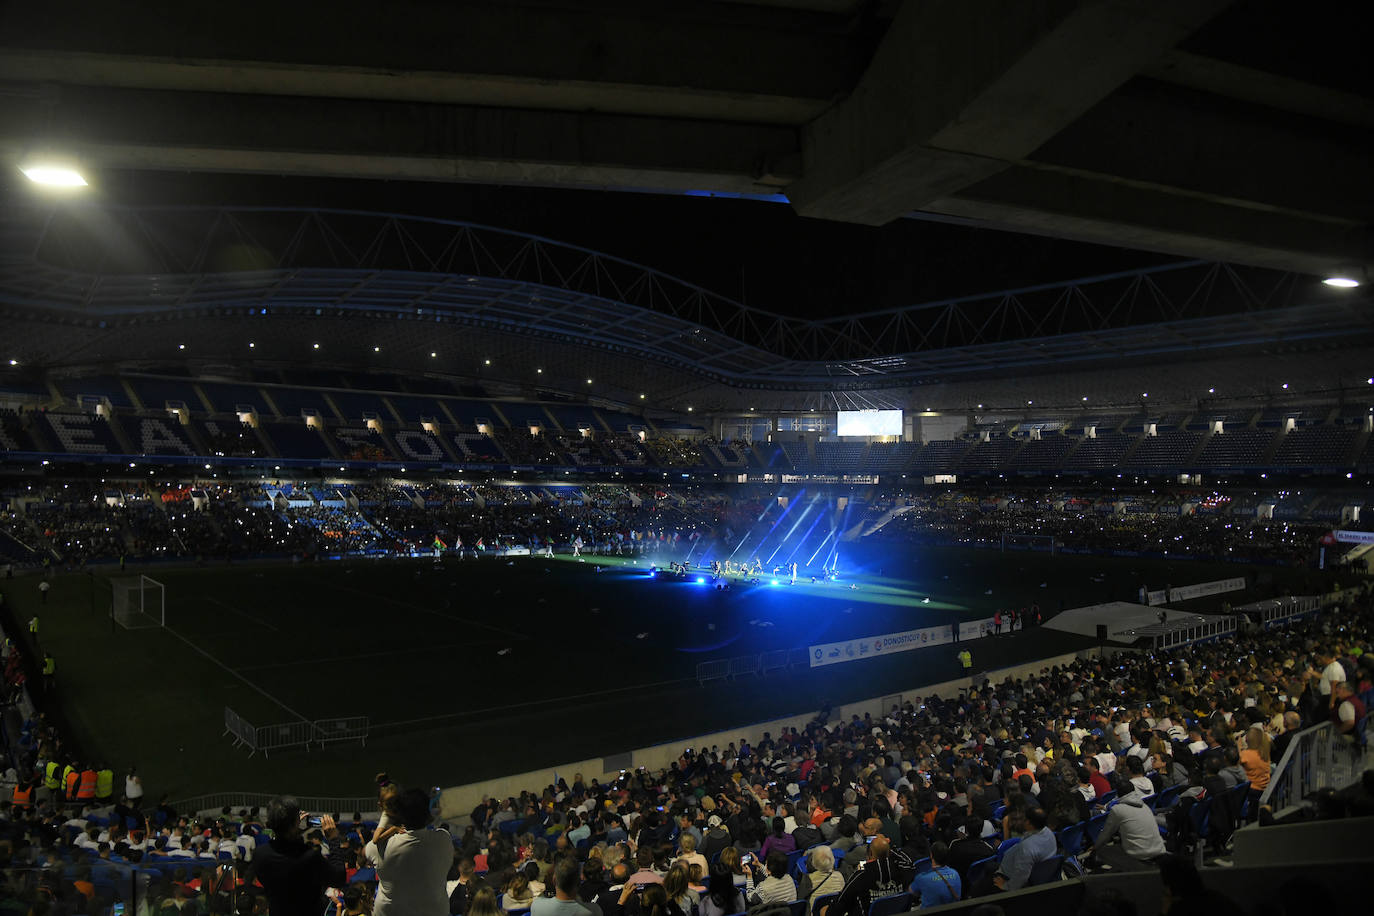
column 85, row 790
column 966, row 662
column 104, row 785
column 49, row 673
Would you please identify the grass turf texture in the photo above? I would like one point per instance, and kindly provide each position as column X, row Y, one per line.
column 418, row 648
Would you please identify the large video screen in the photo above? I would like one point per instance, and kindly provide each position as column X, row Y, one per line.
column 869, row 423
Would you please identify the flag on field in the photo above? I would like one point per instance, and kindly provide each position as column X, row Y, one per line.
column 439, row 543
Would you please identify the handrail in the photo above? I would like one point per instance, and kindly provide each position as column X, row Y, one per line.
column 1306, row 766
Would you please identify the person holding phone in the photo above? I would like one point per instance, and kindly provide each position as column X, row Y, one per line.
column 412, row 861
column 293, row 873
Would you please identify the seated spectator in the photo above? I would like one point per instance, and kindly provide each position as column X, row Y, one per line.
column 939, row 885
column 777, row 886
column 1134, row 822
column 1037, row 844
column 689, row 855
column 821, row 877
column 779, row 839
column 565, row 900
column 722, row 897
column 884, row 872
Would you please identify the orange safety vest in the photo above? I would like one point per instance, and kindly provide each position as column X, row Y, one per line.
column 87, row 789
column 73, row 780
column 22, row 795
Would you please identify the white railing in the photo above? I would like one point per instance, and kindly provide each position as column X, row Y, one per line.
column 1315, row 759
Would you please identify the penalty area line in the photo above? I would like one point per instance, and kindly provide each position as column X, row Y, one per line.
column 236, row 674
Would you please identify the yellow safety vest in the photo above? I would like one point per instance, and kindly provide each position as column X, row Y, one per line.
column 104, row 784
column 51, row 780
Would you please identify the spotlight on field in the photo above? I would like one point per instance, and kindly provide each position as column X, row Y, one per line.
column 774, row 582
column 701, row 580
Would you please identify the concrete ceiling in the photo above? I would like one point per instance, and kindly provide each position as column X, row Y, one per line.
column 1097, row 120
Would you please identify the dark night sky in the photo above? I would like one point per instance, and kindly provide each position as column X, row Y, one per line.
column 759, row 251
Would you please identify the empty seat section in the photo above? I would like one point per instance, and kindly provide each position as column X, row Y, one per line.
column 1242, row 448
column 890, row 457
column 467, row 413
column 475, row 447
column 80, row 433
column 769, row 456
column 1102, row 452
column 153, row 434
column 106, row 386
column 989, row 456
column 841, row 457
column 229, row 438
column 1166, row 451
column 354, row 405
column 940, row 457
column 797, row 455
column 1316, row 446
column 294, row 439
column 156, row 392
column 574, row 417
column 413, row 408
column 1043, row 454
column 226, row 396
column 291, row 401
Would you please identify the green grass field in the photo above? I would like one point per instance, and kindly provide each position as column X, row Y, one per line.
column 478, row 668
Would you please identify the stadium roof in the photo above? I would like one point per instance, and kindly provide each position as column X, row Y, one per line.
column 84, row 286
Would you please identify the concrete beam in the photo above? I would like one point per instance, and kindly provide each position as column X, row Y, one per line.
column 110, row 128
column 676, row 47
column 430, row 86
column 1107, row 211
column 1188, row 142
column 957, row 91
column 1270, row 90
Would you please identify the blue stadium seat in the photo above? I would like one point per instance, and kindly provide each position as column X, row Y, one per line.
column 1005, row 845
column 1045, row 871
column 979, row 873
column 822, row 901
column 890, row 905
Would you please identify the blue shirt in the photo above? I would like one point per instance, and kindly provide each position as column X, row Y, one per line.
column 937, row 886
column 1022, row 857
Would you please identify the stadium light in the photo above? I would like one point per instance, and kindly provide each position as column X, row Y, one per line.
column 15, row 362
column 53, row 175
column 251, row 345
column 181, row 346
column 1285, row 386
column 589, row 381
column 1342, row 282
column 641, row 397
column 432, row 354
column 376, row 349
column 538, row 371
column 314, row 346
column 1211, row 391
column 486, row 362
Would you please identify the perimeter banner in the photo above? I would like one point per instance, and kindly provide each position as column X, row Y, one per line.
column 977, row 629
column 834, row 653
column 1219, row 587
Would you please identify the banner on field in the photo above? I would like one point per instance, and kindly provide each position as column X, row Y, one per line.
column 976, row 629
column 1202, row 589
column 1355, row 537
column 833, row 653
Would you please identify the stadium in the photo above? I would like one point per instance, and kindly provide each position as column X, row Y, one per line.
column 685, row 471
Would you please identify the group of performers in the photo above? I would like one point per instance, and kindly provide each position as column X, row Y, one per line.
column 750, row 571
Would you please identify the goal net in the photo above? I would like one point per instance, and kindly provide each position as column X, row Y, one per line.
column 1039, row 543
column 138, row 602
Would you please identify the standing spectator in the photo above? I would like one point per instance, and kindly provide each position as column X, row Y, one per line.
column 133, row 788
column 293, row 873
column 412, row 863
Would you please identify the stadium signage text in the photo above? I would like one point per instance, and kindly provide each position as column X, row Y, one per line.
column 1355, row 537
column 834, row 653
column 1202, row 589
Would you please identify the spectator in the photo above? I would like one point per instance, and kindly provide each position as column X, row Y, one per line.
column 821, row 877
column 1255, row 758
column 884, row 872
column 939, row 885
column 722, row 897
column 294, row 875
column 777, row 886
column 565, row 900
column 1134, row 822
column 1037, row 844
column 778, row 840
column 412, row 862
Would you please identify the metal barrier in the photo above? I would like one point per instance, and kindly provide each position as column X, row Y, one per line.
column 718, row 670
column 353, row 728
column 1280, row 611
column 1315, row 759
column 214, row 802
column 775, row 660
column 741, row 665
column 288, row 734
column 1172, row 636
column 244, row 733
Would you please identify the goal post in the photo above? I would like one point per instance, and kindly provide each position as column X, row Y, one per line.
column 1037, row 543
column 138, row 602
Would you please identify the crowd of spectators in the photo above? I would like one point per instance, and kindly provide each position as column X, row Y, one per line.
column 944, row 797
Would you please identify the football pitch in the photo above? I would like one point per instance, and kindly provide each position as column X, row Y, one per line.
column 471, row 669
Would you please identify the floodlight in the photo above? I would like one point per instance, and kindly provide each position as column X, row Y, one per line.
column 1342, row 282
column 54, row 176
column 15, row 362
column 701, row 580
